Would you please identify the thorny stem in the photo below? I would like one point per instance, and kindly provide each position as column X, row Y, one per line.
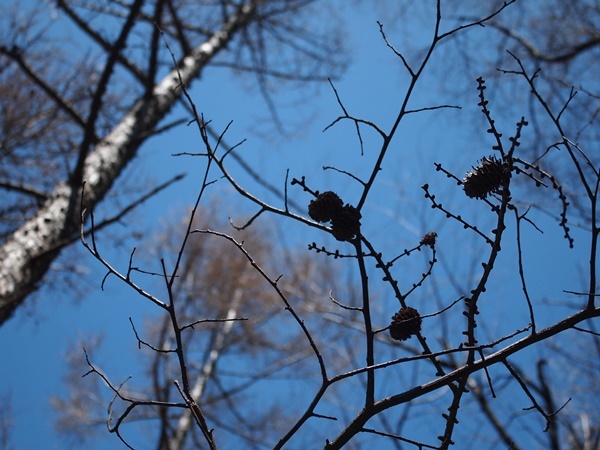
column 471, row 302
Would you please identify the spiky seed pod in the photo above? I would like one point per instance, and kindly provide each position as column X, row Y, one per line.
column 405, row 323
column 429, row 239
column 325, row 206
column 486, row 178
column 345, row 225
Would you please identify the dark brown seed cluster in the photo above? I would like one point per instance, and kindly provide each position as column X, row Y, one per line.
column 486, row 178
column 345, row 220
column 405, row 323
column 325, row 206
column 429, row 239
column 345, row 225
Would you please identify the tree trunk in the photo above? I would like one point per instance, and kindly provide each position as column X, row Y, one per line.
column 27, row 255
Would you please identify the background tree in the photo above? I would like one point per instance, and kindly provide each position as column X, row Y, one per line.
column 472, row 335
column 556, row 43
column 101, row 114
column 246, row 342
column 559, row 44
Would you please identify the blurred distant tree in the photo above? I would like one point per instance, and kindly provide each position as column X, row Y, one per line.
column 244, row 343
column 78, row 111
column 6, row 424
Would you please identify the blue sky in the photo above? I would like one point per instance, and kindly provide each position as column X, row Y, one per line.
column 397, row 214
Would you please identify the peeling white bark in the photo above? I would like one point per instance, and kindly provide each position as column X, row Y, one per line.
column 26, row 256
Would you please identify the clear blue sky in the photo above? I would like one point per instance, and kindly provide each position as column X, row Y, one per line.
column 397, row 214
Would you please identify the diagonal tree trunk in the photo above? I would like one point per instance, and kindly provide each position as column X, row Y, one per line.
column 26, row 256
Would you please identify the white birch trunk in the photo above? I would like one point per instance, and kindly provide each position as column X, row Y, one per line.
column 26, row 256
